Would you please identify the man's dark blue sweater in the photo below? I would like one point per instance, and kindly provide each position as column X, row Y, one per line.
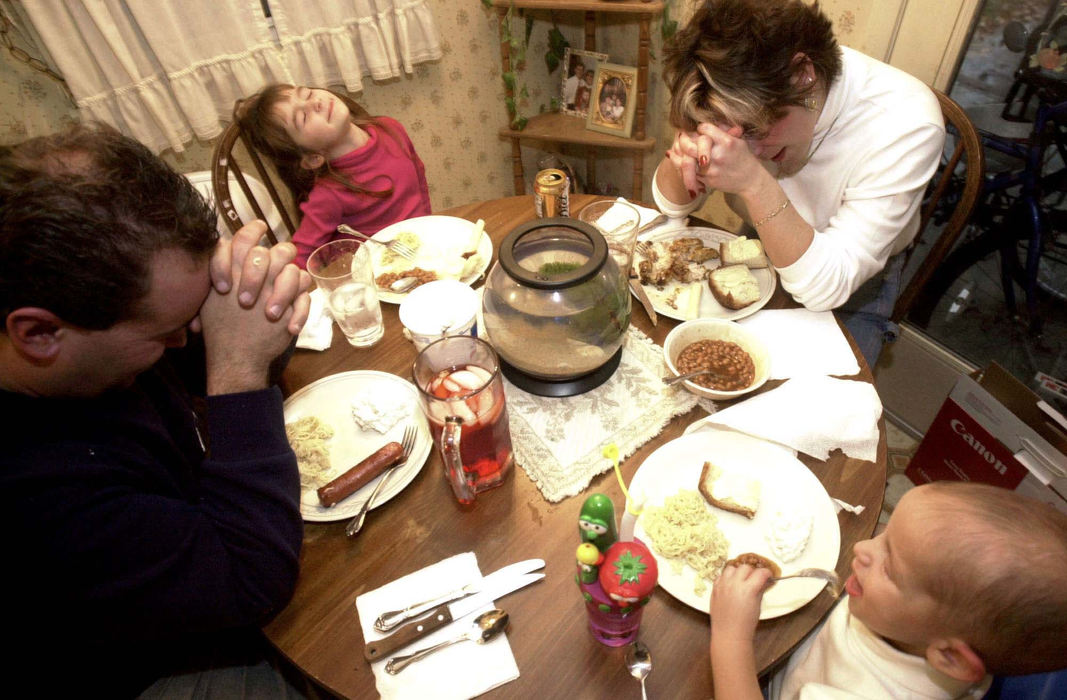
column 133, row 537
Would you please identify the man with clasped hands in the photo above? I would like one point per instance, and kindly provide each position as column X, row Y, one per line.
column 143, row 535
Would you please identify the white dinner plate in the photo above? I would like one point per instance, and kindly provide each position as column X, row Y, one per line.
column 709, row 307
column 330, row 400
column 677, row 465
column 442, row 237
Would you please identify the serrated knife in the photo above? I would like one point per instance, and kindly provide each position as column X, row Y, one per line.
column 496, row 585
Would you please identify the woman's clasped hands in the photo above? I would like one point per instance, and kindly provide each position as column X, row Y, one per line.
column 712, row 158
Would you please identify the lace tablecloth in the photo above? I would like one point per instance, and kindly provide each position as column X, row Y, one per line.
column 558, row 441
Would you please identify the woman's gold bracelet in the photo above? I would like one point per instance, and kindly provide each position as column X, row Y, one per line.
column 770, row 216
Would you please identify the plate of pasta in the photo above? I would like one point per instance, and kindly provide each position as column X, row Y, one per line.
column 676, row 518
column 335, row 422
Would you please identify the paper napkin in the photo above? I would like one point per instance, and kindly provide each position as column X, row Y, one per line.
column 813, row 415
column 803, row 342
column 460, row 671
column 317, row 333
column 647, row 215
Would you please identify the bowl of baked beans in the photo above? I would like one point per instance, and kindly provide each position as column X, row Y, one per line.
column 737, row 357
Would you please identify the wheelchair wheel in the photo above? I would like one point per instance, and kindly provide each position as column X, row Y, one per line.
column 1052, row 267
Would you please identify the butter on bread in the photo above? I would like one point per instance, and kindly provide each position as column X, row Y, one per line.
column 734, row 286
column 729, row 490
column 743, row 251
column 756, row 561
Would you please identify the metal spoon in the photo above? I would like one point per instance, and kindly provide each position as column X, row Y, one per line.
column 486, row 626
column 403, row 284
column 639, row 661
column 682, row 377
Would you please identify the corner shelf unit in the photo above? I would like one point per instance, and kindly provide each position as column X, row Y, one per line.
column 556, row 127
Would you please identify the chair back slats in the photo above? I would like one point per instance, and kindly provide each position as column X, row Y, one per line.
column 224, row 164
column 267, row 180
column 968, row 149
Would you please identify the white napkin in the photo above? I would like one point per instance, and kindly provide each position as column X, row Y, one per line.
column 840, row 505
column 803, row 342
column 646, row 214
column 813, row 415
column 460, row 671
column 317, row 333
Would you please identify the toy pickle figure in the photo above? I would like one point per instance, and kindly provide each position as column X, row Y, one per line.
column 596, row 522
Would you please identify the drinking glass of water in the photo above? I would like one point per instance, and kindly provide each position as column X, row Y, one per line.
column 342, row 270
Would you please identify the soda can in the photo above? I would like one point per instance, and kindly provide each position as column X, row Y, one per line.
column 551, row 194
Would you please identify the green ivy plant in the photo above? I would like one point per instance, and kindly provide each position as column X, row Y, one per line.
column 516, row 90
column 668, row 27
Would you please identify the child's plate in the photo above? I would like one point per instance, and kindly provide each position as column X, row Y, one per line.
column 443, row 243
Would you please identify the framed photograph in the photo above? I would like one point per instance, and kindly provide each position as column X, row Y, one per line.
column 577, row 83
column 614, row 100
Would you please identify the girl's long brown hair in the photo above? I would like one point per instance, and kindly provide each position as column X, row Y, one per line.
column 263, row 128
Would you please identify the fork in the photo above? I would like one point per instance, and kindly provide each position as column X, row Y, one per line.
column 833, row 581
column 356, row 524
column 393, row 245
column 644, row 248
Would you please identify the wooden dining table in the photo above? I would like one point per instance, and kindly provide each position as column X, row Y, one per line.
column 319, row 630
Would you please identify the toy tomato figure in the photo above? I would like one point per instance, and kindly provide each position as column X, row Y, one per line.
column 628, row 574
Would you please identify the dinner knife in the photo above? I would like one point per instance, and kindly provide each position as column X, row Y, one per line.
column 642, row 296
column 492, row 589
column 388, row 620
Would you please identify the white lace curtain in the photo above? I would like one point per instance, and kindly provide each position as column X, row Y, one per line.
column 163, row 71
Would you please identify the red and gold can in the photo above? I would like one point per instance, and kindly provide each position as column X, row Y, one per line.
column 552, row 194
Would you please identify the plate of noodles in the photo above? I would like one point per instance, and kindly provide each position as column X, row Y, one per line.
column 673, row 520
column 446, row 247
column 328, row 440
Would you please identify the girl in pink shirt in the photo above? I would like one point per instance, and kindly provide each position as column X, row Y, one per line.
column 342, row 165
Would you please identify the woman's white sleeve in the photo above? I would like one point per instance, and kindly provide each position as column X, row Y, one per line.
column 879, row 204
column 672, row 209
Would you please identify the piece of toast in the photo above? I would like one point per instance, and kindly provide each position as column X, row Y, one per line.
column 728, row 491
column 757, row 561
column 734, row 286
column 743, row 251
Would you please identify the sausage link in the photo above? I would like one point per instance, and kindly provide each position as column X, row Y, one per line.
column 360, row 475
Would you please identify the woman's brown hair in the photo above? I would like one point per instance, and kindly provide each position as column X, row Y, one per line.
column 264, row 129
column 736, row 62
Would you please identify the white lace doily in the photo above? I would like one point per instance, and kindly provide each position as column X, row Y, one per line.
column 558, row 441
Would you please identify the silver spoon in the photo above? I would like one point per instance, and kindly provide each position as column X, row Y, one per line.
column 403, row 284
column 486, row 626
column 682, row 377
column 639, row 661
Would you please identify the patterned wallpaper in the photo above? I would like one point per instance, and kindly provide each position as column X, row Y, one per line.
column 452, row 108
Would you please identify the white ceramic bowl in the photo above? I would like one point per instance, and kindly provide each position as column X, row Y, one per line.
column 717, row 329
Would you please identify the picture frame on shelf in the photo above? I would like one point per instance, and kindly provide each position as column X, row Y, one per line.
column 576, row 90
column 614, row 100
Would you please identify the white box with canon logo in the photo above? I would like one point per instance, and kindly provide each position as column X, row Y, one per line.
column 996, row 431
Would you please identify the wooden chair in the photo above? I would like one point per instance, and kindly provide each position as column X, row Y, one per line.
column 968, row 155
column 226, row 169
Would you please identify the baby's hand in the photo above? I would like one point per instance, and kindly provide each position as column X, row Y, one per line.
column 735, row 603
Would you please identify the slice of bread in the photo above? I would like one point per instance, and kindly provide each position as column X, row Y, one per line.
column 734, row 286
column 756, row 561
column 743, row 251
column 729, row 490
